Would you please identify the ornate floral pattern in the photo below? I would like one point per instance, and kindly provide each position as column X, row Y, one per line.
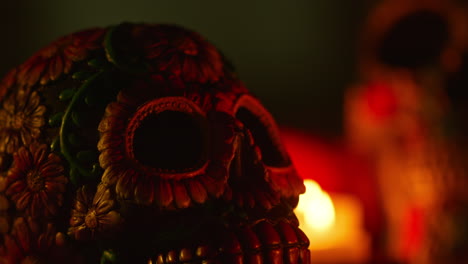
column 93, row 217
column 148, row 185
column 22, row 117
column 184, row 53
column 52, row 61
column 36, row 181
column 27, row 244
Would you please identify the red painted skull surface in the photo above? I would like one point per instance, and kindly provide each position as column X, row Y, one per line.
column 138, row 144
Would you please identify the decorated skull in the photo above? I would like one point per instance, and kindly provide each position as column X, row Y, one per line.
column 138, row 144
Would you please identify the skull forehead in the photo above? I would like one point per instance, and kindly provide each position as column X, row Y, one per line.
column 127, row 132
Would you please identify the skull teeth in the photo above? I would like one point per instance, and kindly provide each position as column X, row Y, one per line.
column 201, row 254
column 263, row 242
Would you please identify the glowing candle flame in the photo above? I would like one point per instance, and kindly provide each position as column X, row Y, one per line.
column 316, row 207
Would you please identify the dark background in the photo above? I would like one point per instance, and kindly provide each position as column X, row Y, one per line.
column 297, row 56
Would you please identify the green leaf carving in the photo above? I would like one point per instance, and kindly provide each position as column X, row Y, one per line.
column 56, row 119
column 66, row 94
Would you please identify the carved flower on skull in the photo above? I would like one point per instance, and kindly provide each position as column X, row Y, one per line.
column 154, row 152
column 22, row 117
column 36, row 181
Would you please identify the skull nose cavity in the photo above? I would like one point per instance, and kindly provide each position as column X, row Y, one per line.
column 264, row 131
column 169, row 137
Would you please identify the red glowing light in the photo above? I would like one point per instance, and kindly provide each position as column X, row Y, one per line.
column 413, row 231
column 313, row 158
column 381, row 100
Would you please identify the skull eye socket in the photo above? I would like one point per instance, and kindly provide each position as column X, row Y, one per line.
column 169, row 137
column 264, row 130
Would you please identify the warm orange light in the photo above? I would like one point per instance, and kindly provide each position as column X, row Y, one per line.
column 333, row 221
column 316, row 208
column 333, row 224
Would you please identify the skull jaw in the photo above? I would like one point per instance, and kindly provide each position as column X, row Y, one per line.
column 196, row 235
column 260, row 242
